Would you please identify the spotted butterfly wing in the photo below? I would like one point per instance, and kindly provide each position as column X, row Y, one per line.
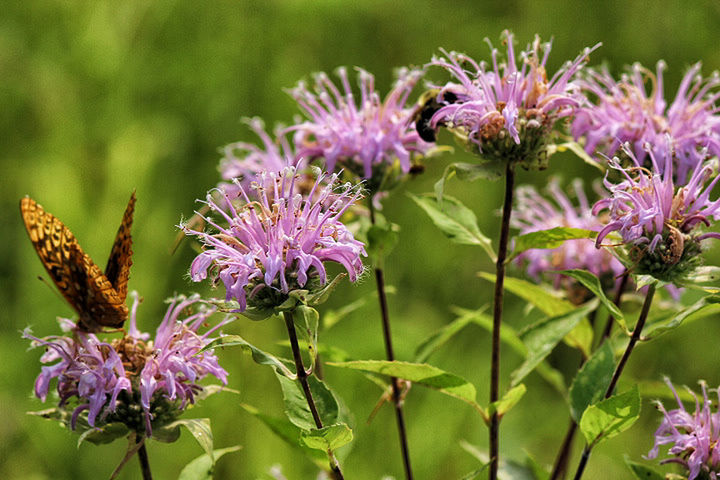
column 98, row 298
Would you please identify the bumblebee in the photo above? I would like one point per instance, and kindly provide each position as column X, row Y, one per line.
column 428, row 104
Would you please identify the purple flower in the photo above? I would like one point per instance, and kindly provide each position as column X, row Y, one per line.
column 90, row 373
column 505, row 111
column 534, row 212
column 625, row 112
column 134, row 373
column 172, row 366
column 656, row 219
column 245, row 161
column 694, row 438
column 279, row 242
column 365, row 136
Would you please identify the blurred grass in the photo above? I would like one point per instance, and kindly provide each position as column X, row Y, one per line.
column 100, row 98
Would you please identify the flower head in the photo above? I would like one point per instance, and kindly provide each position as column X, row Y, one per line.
column 245, row 161
column 367, row 136
column 625, row 112
column 138, row 381
column 507, row 112
column 535, row 212
column 694, row 438
column 656, row 219
column 279, row 242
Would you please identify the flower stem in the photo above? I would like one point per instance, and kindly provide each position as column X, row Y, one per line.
column 144, row 462
column 390, row 355
column 620, row 366
column 563, row 457
column 497, row 319
column 303, row 379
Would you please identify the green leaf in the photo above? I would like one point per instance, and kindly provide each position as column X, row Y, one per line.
column 289, row 433
column 509, row 336
column 381, row 240
column 705, row 306
column 509, row 400
column 252, row 313
column 296, row 405
column 592, row 283
column 545, row 301
column 642, row 472
column 611, row 416
column 202, row 467
column 548, row 239
column 422, row 374
column 456, row 221
column 592, row 380
column 167, row 433
column 200, row 430
column 541, row 338
column 260, row 357
column 327, row 438
column 469, row 172
column 439, row 338
column 578, row 150
column 322, row 295
column 581, row 337
column 307, row 320
column 107, row 434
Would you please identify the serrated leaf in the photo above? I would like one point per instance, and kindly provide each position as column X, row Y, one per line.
column 167, row 433
column 456, row 221
column 705, row 306
column 327, row 438
column 289, row 433
column 642, row 472
column 260, row 357
column 296, row 405
column 592, row 380
column 200, row 430
column 548, row 239
column 202, row 467
column 509, row 400
column 421, row 374
column 610, row 417
column 592, row 283
column 541, row 338
column 509, row 336
column 322, row 295
column 545, row 301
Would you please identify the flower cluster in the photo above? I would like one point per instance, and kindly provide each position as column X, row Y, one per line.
column 656, row 219
column 695, row 438
column 132, row 380
column 279, row 242
column 535, row 212
column 245, row 161
column 625, row 112
column 508, row 112
column 367, row 136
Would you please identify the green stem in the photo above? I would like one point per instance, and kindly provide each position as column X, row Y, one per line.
column 497, row 320
column 390, row 355
column 303, row 379
column 144, row 462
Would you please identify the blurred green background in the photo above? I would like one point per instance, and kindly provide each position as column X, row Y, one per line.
column 100, row 98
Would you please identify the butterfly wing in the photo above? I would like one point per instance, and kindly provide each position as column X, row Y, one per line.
column 118, row 266
column 79, row 280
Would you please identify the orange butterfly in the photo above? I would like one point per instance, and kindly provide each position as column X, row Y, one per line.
column 99, row 298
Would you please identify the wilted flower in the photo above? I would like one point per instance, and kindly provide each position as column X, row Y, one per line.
column 694, row 438
column 508, row 112
column 368, row 136
column 279, row 242
column 625, row 112
column 134, row 380
column 245, row 161
column 533, row 212
column 656, row 219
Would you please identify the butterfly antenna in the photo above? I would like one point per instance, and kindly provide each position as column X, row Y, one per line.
column 52, row 289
